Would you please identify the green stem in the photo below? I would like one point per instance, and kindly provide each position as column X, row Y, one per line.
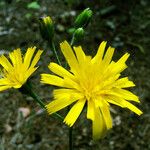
column 34, row 96
column 55, row 52
column 72, row 40
column 70, row 134
column 70, row 138
column 57, row 58
column 71, row 128
column 29, row 90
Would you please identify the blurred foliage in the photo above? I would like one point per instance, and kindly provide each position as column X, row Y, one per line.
column 33, row 5
column 125, row 25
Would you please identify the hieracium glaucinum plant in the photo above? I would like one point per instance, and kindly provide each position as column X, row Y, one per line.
column 93, row 81
column 17, row 69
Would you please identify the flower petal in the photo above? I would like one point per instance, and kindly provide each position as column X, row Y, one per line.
column 69, row 55
column 58, row 93
column 123, row 83
column 52, row 80
column 36, row 58
column 60, row 71
column 74, row 112
column 16, row 58
column 28, row 73
column 2, row 88
column 125, row 94
column 132, row 108
column 106, row 115
column 98, row 57
column 124, row 104
column 98, row 125
column 5, row 63
column 120, row 65
column 114, row 102
column 4, row 81
column 90, row 110
column 108, row 56
column 68, row 83
column 80, row 55
column 28, row 57
column 61, row 102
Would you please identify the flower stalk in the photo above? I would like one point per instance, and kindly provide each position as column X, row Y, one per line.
column 70, row 138
column 28, row 90
column 47, row 32
column 59, row 62
column 52, row 45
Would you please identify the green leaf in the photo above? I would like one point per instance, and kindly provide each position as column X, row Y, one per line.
column 33, row 5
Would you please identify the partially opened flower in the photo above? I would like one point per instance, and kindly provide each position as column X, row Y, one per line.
column 92, row 81
column 17, row 68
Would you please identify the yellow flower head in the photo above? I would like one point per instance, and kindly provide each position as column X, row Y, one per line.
column 94, row 81
column 18, row 69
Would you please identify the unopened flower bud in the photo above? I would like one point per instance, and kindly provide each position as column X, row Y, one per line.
column 46, row 28
column 83, row 18
column 79, row 34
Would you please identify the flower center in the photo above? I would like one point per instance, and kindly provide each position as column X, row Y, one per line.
column 88, row 95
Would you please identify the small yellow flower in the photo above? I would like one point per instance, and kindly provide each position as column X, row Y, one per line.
column 18, row 69
column 92, row 81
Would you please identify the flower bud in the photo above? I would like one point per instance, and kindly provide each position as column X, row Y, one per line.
column 79, row 34
column 46, row 28
column 83, row 18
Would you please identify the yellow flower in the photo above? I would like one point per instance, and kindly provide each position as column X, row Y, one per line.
column 18, row 69
column 92, row 81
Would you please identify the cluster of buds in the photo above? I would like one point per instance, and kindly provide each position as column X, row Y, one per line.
column 81, row 21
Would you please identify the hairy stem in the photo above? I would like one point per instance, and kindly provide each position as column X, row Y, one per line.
column 36, row 98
